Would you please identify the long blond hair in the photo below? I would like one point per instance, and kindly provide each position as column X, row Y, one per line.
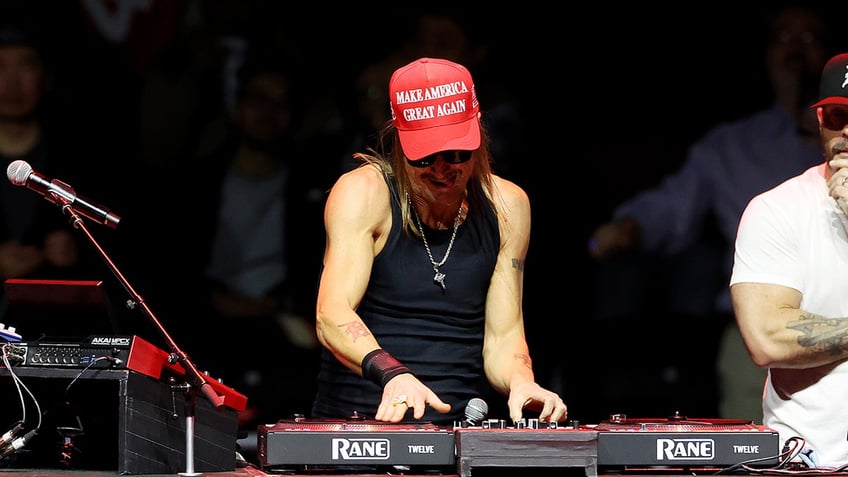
column 389, row 157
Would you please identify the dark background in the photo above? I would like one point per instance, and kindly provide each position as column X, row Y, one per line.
column 609, row 97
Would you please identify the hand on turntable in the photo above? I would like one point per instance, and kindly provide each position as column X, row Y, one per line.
column 531, row 395
column 405, row 392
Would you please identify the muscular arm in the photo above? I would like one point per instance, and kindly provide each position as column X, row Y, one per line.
column 506, row 356
column 354, row 218
column 505, row 353
column 357, row 219
column 778, row 333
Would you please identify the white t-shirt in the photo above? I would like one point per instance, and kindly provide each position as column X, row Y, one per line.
column 795, row 235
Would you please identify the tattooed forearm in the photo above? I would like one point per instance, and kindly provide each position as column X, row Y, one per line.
column 524, row 359
column 355, row 329
column 518, row 264
column 819, row 332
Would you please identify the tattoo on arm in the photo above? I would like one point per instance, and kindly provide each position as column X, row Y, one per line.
column 518, row 263
column 524, row 359
column 355, row 329
column 821, row 333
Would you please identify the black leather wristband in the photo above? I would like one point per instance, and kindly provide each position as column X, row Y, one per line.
column 379, row 367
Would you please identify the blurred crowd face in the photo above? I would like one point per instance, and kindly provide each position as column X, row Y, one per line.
column 797, row 51
column 796, row 56
column 443, row 37
column 22, row 82
column 263, row 113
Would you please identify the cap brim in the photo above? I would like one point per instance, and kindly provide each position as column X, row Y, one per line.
column 421, row 143
column 831, row 100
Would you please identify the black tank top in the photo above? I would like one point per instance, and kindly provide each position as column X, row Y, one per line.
column 437, row 334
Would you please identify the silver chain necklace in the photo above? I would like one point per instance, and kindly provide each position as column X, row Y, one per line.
column 439, row 277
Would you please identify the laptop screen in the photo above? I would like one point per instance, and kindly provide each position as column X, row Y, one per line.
column 59, row 308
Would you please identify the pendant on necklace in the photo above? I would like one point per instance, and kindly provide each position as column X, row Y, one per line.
column 439, row 278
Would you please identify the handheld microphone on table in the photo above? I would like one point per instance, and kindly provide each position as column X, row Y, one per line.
column 475, row 411
column 57, row 192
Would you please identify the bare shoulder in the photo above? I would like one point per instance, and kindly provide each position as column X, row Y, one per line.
column 359, row 195
column 513, row 208
column 361, row 179
column 509, row 197
column 363, row 185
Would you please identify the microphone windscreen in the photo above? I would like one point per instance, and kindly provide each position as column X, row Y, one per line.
column 18, row 172
column 476, row 410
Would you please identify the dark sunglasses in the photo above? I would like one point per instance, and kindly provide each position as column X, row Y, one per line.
column 451, row 157
column 834, row 118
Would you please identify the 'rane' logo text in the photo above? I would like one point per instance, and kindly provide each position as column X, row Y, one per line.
column 360, row 449
column 685, row 449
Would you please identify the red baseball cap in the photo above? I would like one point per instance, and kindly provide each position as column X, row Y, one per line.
column 434, row 107
column 834, row 81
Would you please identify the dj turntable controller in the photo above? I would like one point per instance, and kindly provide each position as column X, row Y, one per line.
column 715, row 443
column 619, row 445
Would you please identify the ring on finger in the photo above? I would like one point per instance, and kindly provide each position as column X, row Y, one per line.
column 399, row 399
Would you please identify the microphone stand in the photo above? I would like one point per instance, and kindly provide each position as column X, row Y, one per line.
column 196, row 380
